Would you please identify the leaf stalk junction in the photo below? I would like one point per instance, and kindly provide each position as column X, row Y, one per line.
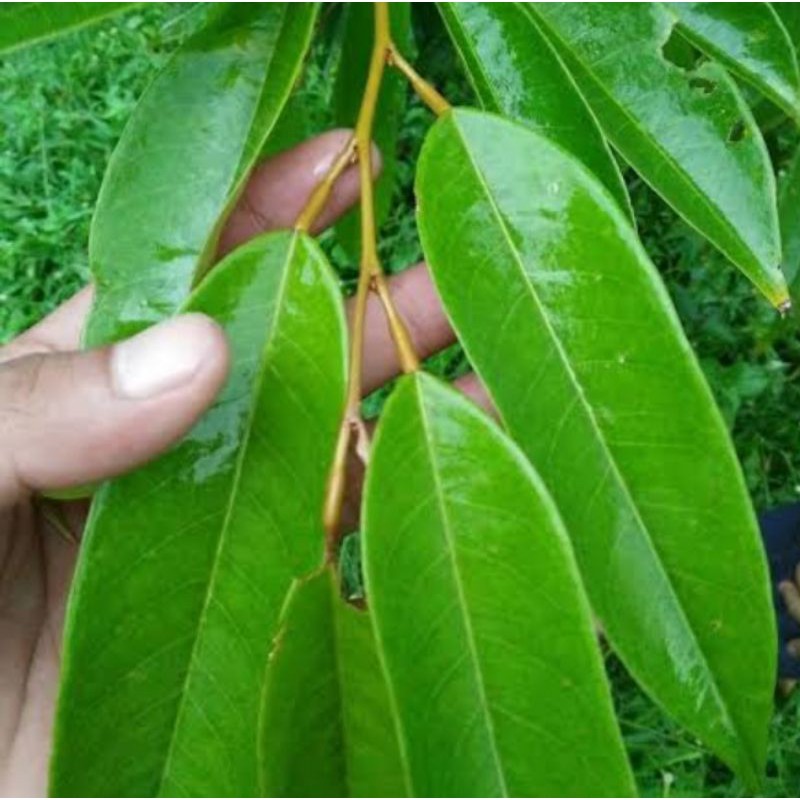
column 371, row 275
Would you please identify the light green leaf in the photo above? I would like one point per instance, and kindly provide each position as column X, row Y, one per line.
column 481, row 621
column 187, row 562
column 184, row 158
column 516, row 73
column 351, row 79
column 327, row 727
column 24, row 24
column 572, row 332
column 689, row 134
column 750, row 40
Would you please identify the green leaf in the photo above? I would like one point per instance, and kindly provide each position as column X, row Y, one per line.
column 327, row 726
column 750, row 40
column 789, row 214
column 186, row 563
column 689, row 134
column 572, row 332
column 516, row 73
column 789, row 15
column 482, row 625
column 24, row 24
column 351, row 78
column 183, row 159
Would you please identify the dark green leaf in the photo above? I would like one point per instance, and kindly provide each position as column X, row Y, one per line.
column 187, row 562
column 327, row 726
column 183, row 159
column 689, row 134
column 23, row 24
column 749, row 39
column 789, row 15
column 572, row 332
column 516, row 73
column 789, row 213
column 352, row 77
column 481, row 621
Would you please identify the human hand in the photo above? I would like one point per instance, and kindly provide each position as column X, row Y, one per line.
column 70, row 417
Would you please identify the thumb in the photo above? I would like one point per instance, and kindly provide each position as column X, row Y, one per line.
column 73, row 418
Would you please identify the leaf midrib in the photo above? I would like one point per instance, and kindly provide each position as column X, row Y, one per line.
column 462, row 602
column 573, row 378
column 225, row 527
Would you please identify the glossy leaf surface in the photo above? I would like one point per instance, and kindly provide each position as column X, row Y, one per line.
column 24, row 24
column 480, row 618
column 572, row 332
column 750, row 40
column 516, row 73
column 359, row 33
column 187, row 562
column 327, row 727
column 183, row 158
column 689, row 134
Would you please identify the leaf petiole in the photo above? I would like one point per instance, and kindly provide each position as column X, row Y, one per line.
column 427, row 93
column 371, row 278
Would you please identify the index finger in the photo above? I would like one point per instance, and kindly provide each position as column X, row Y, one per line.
column 58, row 331
column 274, row 195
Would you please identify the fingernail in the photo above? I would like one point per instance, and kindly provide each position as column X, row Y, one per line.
column 161, row 358
column 325, row 161
column 322, row 166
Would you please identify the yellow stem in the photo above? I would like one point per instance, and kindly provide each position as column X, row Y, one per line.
column 426, row 92
column 407, row 355
column 370, row 277
column 322, row 191
column 334, row 495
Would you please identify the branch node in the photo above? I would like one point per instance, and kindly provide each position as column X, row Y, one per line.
column 425, row 91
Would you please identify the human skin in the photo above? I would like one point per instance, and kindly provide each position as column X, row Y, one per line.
column 69, row 418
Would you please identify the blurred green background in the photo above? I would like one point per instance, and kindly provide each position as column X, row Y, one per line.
column 62, row 108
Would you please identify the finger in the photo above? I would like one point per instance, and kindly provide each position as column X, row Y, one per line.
column 273, row 197
column 74, row 418
column 791, row 598
column 418, row 304
column 58, row 331
column 279, row 188
column 470, row 385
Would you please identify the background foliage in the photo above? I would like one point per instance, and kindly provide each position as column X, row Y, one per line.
column 62, row 108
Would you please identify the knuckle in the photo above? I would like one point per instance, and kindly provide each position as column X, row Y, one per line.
column 21, row 390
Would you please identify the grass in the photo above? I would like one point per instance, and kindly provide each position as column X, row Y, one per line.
column 62, row 108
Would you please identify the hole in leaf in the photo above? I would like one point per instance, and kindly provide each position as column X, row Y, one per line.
column 677, row 51
column 737, row 132
column 703, row 84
